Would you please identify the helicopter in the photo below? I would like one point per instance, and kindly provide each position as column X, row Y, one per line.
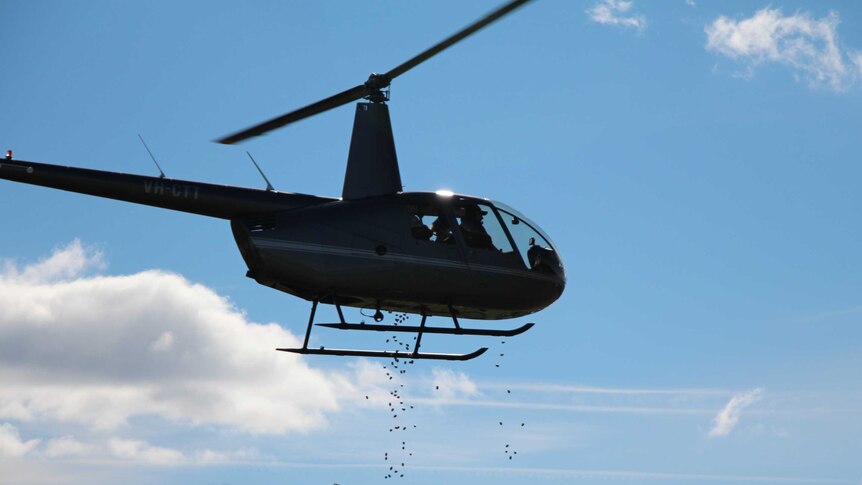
column 376, row 247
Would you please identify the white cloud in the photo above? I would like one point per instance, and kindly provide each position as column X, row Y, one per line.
column 97, row 350
column 807, row 45
column 210, row 457
column 64, row 263
column 64, row 447
column 116, row 450
column 727, row 418
column 11, row 444
column 616, row 12
column 142, row 452
column 449, row 384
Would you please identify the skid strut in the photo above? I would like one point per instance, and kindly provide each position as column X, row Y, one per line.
column 389, row 354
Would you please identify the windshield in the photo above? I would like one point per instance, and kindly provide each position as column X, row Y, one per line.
column 513, row 219
column 534, row 246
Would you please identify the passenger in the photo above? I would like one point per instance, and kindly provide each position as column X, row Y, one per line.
column 442, row 231
column 473, row 230
column 419, row 230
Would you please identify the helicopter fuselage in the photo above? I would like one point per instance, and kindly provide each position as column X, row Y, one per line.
column 379, row 253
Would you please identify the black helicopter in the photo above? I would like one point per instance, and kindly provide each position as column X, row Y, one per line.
column 376, row 247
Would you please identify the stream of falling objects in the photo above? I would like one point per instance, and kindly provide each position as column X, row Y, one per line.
column 508, row 451
column 397, row 460
column 398, row 408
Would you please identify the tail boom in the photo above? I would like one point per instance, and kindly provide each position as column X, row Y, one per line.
column 221, row 201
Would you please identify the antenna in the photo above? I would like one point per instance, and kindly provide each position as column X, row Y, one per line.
column 162, row 174
column 268, row 185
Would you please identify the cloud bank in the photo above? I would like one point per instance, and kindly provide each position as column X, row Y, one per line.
column 98, row 350
column 807, row 45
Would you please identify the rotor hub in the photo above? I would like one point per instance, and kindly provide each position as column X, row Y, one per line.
column 378, row 88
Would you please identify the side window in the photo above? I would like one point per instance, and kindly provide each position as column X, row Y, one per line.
column 429, row 223
column 481, row 229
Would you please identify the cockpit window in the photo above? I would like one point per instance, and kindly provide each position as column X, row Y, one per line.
column 429, row 223
column 481, row 229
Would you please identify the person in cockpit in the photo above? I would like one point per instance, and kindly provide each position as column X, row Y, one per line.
column 473, row 230
column 442, row 230
column 418, row 228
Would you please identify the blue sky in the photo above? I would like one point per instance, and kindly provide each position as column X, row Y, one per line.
column 697, row 163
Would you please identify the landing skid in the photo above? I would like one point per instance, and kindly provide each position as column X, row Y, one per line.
column 394, row 354
column 399, row 354
column 415, row 329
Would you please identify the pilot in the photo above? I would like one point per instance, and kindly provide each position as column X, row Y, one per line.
column 473, row 230
column 441, row 229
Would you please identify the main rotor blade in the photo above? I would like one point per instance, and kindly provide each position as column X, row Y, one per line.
column 440, row 46
column 339, row 99
column 374, row 83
